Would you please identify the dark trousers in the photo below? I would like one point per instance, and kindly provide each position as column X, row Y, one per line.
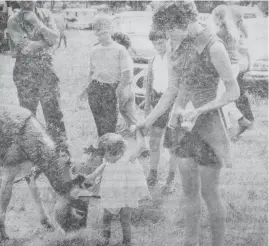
column 104, row 106
column 125, row 220
column 37, row 82
column 242, row 103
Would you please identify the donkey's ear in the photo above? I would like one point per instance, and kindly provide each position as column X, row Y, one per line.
column 89, row 150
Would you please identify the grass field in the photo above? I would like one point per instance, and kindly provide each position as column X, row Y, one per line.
column 243, row 187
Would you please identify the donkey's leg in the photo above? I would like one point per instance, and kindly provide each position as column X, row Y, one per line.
column 9, row 173
column 36, row 196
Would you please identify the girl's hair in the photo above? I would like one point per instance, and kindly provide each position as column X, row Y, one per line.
column 112, row 143
column 171, row 15
column 122, row 39
column 226, row 16
column 155, row 35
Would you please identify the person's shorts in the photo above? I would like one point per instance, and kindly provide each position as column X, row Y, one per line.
column 190, row 145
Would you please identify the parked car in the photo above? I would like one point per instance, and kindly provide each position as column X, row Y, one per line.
column 137, row 24
column 251, row 12
column 256, row 79
column 79, row 18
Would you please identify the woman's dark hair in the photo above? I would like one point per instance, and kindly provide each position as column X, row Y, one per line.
column 122, row 39
column 179, row 14
column 155, row 35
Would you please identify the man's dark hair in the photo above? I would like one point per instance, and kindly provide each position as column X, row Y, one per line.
column 122, row 39
column 180, row 15
column 155, row 35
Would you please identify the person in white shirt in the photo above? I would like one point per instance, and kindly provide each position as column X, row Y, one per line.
column 156, row 84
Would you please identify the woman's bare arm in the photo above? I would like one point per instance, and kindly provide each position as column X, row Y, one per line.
column 96, row 173
column 221, row 61
column 166, row 99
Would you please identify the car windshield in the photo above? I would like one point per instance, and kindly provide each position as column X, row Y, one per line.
column 133, row 24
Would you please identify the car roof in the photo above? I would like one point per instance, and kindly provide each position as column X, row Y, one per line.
column 133, row 13
column 79, row 10
column 250, row 10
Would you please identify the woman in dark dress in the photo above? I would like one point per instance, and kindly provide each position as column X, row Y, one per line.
column 196, row 67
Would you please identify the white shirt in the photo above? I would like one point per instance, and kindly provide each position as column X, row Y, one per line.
column 160, row 73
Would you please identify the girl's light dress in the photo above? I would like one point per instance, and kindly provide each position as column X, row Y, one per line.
column 123, row 184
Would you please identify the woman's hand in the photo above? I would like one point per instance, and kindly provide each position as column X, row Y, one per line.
column 31, row 18
column 144, row 127
column 189, row 117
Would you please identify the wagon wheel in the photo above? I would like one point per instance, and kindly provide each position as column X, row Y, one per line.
column 140, row 92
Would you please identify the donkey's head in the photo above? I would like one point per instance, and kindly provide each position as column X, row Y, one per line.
column 70, row 211
column 71, row 214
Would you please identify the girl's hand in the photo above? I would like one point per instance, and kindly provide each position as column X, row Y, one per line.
column 88, row 183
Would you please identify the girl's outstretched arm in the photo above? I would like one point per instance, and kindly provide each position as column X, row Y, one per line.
column 97, row 172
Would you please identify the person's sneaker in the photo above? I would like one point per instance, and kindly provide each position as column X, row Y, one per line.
column 244, row 125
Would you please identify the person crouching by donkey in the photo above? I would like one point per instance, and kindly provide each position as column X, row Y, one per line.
column 110, row 78
column 123, row 182
column 156, row 84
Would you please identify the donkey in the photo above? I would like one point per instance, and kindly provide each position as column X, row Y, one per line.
column 24, row 140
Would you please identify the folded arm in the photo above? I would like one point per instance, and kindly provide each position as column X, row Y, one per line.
column 19, row 37
column 50, row 32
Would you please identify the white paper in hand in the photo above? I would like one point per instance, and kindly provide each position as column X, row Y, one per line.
column 188, row 125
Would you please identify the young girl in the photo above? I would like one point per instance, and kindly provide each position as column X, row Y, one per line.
column 123, row 182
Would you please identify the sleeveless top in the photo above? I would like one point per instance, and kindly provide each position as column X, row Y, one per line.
column 198, row 82
column 196, row 76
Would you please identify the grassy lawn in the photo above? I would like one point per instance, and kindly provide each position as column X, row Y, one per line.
column 243, row 187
